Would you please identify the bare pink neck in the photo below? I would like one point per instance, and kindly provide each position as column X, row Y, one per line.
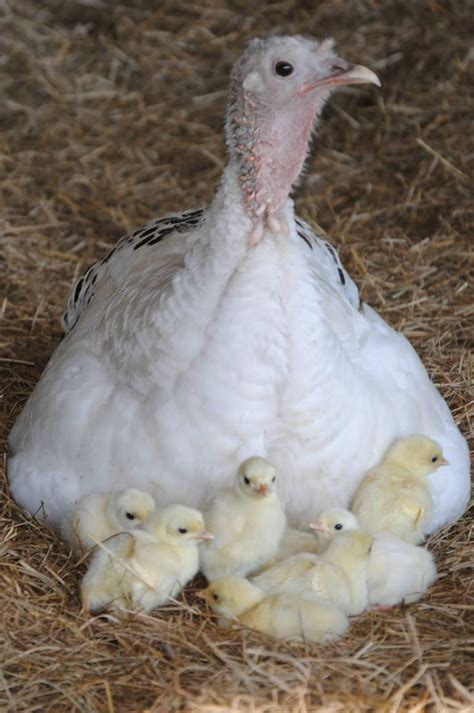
column 270, row 151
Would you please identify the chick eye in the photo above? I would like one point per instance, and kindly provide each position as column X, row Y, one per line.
column 130, row 515
column 246, row 480
column 182, row 530
column 338, row 526
column 274, row 478
column 215, row 597
column 283, row 68
column 434, row 459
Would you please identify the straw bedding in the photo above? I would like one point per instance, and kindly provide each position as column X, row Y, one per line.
column 111, row 114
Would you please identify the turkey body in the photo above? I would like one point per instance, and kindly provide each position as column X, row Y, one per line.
column 188, row 351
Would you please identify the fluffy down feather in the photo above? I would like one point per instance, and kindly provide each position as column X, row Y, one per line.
column 398, row 572
column 303, row 617
column 395, row 496
column 144, row 568
column 293, row 574
column 294, row 541
column 247, row 522
column 97, row 517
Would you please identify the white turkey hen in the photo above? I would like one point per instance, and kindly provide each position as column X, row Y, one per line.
column 211, row 336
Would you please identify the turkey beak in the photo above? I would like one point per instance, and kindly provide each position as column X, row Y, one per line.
column 204, row 535
column 343, row 73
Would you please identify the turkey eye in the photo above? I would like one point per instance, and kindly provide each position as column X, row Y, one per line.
column 338, row 526
column 246, row 480
column 283, row 69
column 182, row 530
column 130, row 515
column 434, row 459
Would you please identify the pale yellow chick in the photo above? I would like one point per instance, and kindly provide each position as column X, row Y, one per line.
column 331, row 523
column 398, row 571
column 285, row 616
column 395, row 497
column 349, row 553
column 97, row 517
column 339, row 574
column 142, row 569
column 247, row 521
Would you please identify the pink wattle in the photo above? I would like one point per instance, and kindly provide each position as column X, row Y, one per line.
column 280, row 154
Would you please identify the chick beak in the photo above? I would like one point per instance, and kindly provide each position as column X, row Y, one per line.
column 343, row 73
column 317, row 527
column 263, row 490
column 202, row 594
column 444, row 461
column 204, row 535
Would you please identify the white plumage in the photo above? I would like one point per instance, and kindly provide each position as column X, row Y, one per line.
column 97, row 517
column 398, row 572
column 211, row 336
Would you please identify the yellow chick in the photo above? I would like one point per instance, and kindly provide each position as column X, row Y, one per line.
column 397, row 572
column 348, row 554
column 394, row 497
column 247, row 521
column 339, row 574
column 97, row 517
column 331, row 523
column 302, row 617
column 142, row 569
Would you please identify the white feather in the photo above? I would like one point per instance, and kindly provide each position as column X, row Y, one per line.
column 398, row 572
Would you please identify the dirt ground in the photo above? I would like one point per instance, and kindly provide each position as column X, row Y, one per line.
column 111, row 113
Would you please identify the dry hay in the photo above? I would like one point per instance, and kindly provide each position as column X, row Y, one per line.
column 112, row 114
